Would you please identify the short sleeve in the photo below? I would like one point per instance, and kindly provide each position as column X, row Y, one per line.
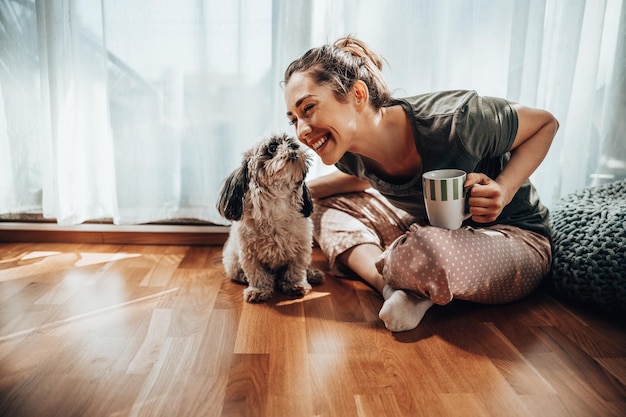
column 486, row 126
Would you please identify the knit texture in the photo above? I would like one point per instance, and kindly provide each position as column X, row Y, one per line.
column 589, row 247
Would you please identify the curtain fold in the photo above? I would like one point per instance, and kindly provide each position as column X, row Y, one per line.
column 136, row 111
column 76, row 140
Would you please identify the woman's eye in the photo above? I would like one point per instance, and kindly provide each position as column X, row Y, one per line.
column 293, row 121
column 308, row 108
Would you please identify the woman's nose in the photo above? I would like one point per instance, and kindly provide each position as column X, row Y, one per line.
column 302, row 130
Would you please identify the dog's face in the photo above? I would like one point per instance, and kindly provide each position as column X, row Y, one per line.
column 278, row 164
column 277, row 161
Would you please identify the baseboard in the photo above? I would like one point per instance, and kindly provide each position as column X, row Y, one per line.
column 154, row 234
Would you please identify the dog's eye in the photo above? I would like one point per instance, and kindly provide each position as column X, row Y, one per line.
column 272, row 148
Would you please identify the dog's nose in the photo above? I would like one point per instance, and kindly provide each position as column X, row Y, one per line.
column 293, row 156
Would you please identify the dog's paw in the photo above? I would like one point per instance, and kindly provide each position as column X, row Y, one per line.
column 240, row 277
column 300, row 288
column 256, row 295
column 314, row 276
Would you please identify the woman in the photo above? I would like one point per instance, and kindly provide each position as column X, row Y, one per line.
column 369, row 215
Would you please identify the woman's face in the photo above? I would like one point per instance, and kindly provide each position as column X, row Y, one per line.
column 322, row 122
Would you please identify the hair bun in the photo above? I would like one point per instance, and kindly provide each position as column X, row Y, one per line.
column 358, row 49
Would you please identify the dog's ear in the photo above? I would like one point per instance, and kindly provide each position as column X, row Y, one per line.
column 230, row 201
column 307, row 201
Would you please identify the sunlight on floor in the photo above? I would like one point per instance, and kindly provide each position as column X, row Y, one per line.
column 84, row 292
column 310, row 296
column 85, row 258
column 91, row 258
column 86, row 314
column 38, row 254
column 32, row 263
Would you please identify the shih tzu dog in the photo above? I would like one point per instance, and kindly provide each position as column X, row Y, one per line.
column 270, row 241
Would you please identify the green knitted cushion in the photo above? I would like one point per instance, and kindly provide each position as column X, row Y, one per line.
column 589, row 232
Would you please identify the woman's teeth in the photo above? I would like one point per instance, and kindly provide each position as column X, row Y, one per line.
column 319, row 143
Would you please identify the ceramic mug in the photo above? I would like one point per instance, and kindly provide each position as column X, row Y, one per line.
column 444, row 197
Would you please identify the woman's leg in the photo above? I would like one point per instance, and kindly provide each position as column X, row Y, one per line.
column 494, row 265
column 361, row 260
column 401, row 311
column 343, row 222
column 352, row 229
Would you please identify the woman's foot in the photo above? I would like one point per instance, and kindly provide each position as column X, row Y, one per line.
column 401, row 311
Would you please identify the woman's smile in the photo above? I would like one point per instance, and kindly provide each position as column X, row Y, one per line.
column 317, row 145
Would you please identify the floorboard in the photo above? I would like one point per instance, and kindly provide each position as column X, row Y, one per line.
column 156, row 330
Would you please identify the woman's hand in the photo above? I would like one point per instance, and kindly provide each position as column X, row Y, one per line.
column 486, row 197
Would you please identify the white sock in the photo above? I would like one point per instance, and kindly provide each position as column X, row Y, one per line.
column 400, row 311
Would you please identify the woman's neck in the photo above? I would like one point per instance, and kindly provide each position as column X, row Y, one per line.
column 389, row 150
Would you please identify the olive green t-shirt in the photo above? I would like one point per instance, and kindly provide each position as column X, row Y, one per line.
column 462, row 130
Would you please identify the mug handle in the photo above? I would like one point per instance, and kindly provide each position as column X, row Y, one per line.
column 468, row 194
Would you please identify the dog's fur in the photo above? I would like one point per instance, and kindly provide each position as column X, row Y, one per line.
column 270, row 241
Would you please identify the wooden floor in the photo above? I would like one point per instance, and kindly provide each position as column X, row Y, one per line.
column 118, row 330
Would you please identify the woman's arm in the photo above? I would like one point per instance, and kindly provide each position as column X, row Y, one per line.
column 536, row 129
column 335, row 183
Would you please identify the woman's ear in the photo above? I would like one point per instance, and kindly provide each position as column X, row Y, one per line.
column 361, row 93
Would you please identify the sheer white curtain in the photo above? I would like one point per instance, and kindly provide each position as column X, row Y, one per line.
column 133, row 111
column 137, row 110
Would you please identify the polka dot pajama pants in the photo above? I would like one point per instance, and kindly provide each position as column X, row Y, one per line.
column 493, row 265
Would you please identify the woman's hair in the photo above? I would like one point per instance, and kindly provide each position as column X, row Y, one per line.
column 340, row 65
